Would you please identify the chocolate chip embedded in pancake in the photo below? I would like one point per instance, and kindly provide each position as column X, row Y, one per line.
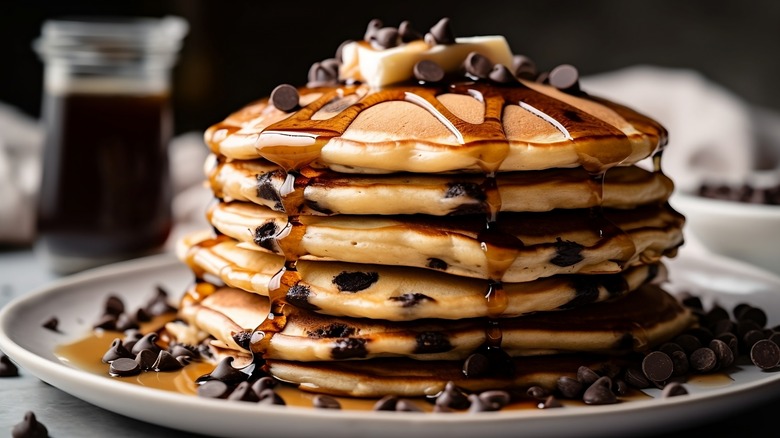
column 635, row 322
column 327, row 192
column 398, row 293
column 610, row 242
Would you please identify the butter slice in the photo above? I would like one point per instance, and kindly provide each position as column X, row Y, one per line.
column 378, row 68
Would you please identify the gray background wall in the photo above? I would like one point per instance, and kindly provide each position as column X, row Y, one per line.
column 239, row 50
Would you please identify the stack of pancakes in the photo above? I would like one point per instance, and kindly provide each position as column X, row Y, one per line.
column 376, row 238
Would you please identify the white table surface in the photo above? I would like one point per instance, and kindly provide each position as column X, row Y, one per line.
column 68, row 416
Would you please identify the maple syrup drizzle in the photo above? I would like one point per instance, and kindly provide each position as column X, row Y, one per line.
column 296, row 141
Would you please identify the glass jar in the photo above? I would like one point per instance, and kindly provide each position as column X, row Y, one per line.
column 105, row 192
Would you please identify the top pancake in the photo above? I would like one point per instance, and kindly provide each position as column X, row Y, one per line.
column 464, row 126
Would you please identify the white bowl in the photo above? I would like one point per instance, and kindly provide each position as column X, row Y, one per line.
column 748, row 232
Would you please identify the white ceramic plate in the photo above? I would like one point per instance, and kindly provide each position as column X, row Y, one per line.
column 78, row 300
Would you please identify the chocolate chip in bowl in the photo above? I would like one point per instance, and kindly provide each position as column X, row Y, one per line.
column 740, row 221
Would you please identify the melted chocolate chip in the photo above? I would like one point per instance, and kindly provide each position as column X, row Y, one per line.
column 116, row 351
column 30, row 427
column 298, row 296
column 213, row 389
column 432, row 342
column 243, row 392
column 438, row 264
column 428, row 71
column 471, row 190
column 285, row 97
column 225, row 372
column 146, row 359
column 166, row 362
column 123, row 367
column 586, row 291
column 265, row 236
column 335, row 330
column 355, row 281
column 242, row 339
column 266, row 190
column 567, row 253
column 476, row 365
column 411, row 299
column 349, row 348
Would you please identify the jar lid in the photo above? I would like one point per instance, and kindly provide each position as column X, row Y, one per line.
column 101, row 40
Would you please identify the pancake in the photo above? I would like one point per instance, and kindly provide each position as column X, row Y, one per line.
column 326, row 192
column 634, row 322
column 466, row 126
column 538, row 244
column 398, row 293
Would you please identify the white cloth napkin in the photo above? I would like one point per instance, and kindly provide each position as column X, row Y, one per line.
column 711, row 133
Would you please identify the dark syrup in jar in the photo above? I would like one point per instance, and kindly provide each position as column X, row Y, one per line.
column 105, row 190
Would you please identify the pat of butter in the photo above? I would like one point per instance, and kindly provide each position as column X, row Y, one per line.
column 378, row 68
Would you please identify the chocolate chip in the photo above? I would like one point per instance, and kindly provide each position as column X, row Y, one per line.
column 765, row 354
column 335, row 330
column 692, row 302
column 715, row 314
column 670, row 347
column 751, row 337
column 657, row 366
column 265, row 236
column 502, row 74
column 30, row 427
column 703, row 334
column 116, row 351
column 567, row 253
column 322, row 401
column 285, row 97
column 636, row 378
column 724, row 326
column 478, row 65
column 452, row 397
column 146, row 359
column 298, row 296
column 754, row 314
column 7, row 368
column 349, row 348
column 673, row 389
column 689, row 343
column 270, row 397
column 386, row 403
column 213, row 389
column 494, row 400
column 386, row 38
column 265, row 188
column 106, row 322
column 262, row 384
column 408, row 33
column 537, row 392
column 569, row 387
column 723, row 353
column 411, row 299
column 703, row 360
column 731, row 340
column 114, row 306
column 158, row 304
column 476, row 404
column 549, row 402
column 148, row 342
column 564, row 77
column 243, row 338
column 680, row 363
column 373, row 26
column 428, row 71
column 243, row 392
column 438, row 264
column 225, row 372
column 620, row 387
column 440, row 33
column 123, row 367
column 126, row 322
column 166, row 362
column 476, row 365
column 51, row 324
column 600, row 392
column 321, row 76
column 523, row 67
column 586, row 291
column 586, row 376
column 355, row 281
column 179, row 350
column 404, row 405
column 432, row 342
